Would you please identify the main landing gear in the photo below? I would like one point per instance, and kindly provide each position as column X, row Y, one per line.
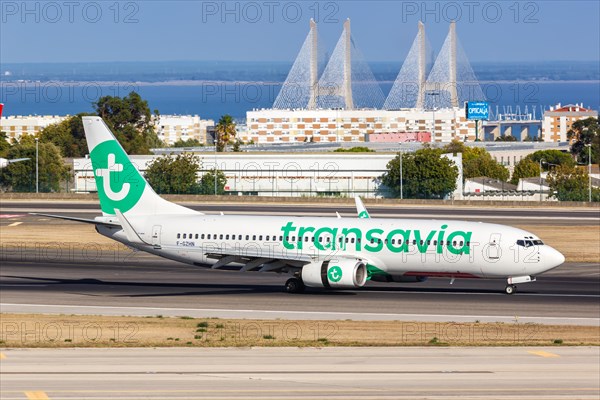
column 294, row 285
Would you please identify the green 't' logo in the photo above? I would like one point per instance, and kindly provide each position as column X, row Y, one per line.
column 119, row 183
column 334, row 273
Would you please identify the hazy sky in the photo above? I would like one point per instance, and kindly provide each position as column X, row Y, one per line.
column 65, row 31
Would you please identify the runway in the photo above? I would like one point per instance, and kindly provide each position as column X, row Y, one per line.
column 293, row 373
column 548, row 215
column 128, row 283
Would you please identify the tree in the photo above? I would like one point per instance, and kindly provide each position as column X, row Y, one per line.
column 4, row 145
column 426, row 174
column 237, row 146
column 225, row 132
column 570, row 183
column 551, row 158
column 174, row 175
column 506, row 138
column 207, row 183
column 130, row 119
column 191, row 142
column 355, row 149
column 20, row 177
column 525, row 168
column 583, row 132
column 68, row 136
column 477, row 161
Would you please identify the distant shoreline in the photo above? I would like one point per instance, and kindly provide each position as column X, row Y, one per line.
column 260, row 83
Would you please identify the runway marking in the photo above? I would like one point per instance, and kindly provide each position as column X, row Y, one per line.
column 15, row 224
column 332, row 314
column 543, row 354
column 37, row 395
column 2, row 356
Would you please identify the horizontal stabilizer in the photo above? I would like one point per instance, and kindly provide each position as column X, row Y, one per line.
column 84, row 220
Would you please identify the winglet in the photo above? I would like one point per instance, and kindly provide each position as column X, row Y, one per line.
column 361, row 209
column 131, row 234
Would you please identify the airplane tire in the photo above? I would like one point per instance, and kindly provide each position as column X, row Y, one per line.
column 294, row 285
column 510, row 289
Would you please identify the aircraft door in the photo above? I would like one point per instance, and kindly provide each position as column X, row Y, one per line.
column 494, row 246
column 156, row 229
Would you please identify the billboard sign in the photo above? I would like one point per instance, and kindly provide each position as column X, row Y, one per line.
column 477, row 110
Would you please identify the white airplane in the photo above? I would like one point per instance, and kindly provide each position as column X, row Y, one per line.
column 320, row 252
column 3, row 161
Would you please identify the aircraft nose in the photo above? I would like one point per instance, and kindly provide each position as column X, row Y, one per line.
column 554, row 257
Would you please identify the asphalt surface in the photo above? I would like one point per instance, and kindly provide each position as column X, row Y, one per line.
column 502, row 215
column 292, row 373
column 122, row 282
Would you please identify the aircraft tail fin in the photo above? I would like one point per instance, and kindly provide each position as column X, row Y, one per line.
column 120, row 184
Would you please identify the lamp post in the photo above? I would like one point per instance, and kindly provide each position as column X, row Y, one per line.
column 541, row 179
column 37, row 167
column 589, row 146
column 401, row 178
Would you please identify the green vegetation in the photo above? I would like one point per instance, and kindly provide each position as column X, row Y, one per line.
column 426, row 174
column 583, row 132
column 20, row 177
column 570, row 183
column 207, row 183
column 526, row 168
column 477, row 161
column 225, row 132
column 174, row 175
column 355, row 149
column 506, row 138
column 131, row 121
column 551, row 158
column 67, row 135
column 187, row 143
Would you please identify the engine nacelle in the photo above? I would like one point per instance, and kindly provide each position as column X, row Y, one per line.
column 344, row 273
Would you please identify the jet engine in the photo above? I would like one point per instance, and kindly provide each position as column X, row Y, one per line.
column 343, row 273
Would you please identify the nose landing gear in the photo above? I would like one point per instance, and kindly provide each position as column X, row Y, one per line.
column 510, row 289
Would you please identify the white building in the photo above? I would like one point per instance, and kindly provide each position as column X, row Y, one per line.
column 558, row 121
column 171, row 128
column 283, row 174
column 17, row 126
column 333, row 125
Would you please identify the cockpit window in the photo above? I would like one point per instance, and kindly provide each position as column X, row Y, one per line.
column 529, row 243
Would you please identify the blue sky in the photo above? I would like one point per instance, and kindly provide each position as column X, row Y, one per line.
column 267, row 30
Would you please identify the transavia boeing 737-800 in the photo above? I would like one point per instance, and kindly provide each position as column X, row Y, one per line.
column 321, row 252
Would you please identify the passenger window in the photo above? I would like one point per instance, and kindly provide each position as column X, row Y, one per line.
column 454, row 243
column 227, row 237
column 306, row 238
column 287, row 238
column 428, row 242
column 347, row 240
column 281, row 238
column 190, row 236
column 247, row 237
column 468, row 244
column 178, row 235
column 320, row 239
column 253, row 237
column 260, row 238
column 460, row 243
column 421, row 242
column 202, row 236
column 393, row 241
column 221, row 236
column 184, row 235
column 352, row 240
column 267, row 238
column 414, row 241
column 208, row 236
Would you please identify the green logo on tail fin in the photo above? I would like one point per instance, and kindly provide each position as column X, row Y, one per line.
column 119, row 183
